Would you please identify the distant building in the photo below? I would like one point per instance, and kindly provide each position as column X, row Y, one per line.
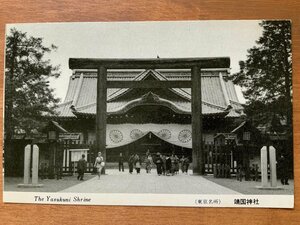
column 158, row 120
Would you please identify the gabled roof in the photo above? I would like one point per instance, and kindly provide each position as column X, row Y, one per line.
column 218, row 95
column 239, row 127
column 149, row 99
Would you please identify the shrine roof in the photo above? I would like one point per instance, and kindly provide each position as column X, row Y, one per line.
column 218, row 94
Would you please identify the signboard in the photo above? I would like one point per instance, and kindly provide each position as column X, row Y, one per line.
column 246, row 136
column 231, row 136
column 69, row 136
column 51, row 135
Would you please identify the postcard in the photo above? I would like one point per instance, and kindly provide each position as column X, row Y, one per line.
column 181, row 113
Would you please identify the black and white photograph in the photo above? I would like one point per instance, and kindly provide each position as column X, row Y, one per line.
column 185, row 113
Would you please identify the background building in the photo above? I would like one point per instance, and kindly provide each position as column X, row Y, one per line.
column 138, row 120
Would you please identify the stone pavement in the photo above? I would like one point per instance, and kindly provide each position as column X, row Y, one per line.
column 249, row 187
column 123, row 182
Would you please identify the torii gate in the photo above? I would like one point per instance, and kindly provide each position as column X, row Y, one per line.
column 195, row 64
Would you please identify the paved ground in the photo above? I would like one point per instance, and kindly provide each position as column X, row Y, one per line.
column 249, row 187
column 50, row 185
column 116, row 182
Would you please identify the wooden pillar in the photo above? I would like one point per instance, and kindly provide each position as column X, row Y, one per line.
column 198, row 166
column 101, row 112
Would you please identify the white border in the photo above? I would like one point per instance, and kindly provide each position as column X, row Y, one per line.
column 174, row 200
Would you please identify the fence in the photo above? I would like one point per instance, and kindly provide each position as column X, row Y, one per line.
column 72, row 152
column 219, row 160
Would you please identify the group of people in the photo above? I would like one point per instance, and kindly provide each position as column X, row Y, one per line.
column 170, row 164
column 252, row 173
column 134, row 162
column 81, row 166
column 165, row 164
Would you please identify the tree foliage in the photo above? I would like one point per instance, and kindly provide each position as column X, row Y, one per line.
column 27, row 93
column 266, row 74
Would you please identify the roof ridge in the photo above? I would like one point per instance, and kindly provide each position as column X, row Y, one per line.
column 161, row 99
column 235, row 102
column 86, row 106
column 142, row 76
column 124, row 90
column 64, row 103
column 213, row 105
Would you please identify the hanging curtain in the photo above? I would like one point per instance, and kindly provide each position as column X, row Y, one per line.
column 123, row 134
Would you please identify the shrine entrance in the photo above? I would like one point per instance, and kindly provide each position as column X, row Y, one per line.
column 148, row 143
column 194, row 64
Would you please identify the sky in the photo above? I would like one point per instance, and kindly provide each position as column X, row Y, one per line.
column 143, row 40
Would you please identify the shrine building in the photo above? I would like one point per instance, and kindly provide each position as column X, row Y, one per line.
column 147, row 119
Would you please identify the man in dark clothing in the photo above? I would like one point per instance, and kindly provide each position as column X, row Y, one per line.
column 81, row 166
column 130, row 163
column 44, row 171
column 121, row 162
column 158, row 162
column 186, row 164
column 283, row 170
column 163, row 157
column 240, row 173
column 168, row 165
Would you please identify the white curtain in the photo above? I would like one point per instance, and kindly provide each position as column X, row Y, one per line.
column 123, row 134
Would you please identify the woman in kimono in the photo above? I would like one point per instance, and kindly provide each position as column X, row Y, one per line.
column 148, row 162
column 99, row 164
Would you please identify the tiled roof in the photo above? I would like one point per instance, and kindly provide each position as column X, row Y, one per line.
column 118, row 107
column 81, row 94
column 64, row 109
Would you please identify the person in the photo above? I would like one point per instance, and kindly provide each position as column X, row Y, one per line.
column 182, row 164
column 173, row 159
column 99, row 164
column 44, row 171
column 186, row 164
column 81, row 167
column 147, row 153
column 240, row 173
column 121, row 162
column 163, row 157
column 148, row 162
column 254, row 172
column 138, row 164
column 168, row 165
column 158, row 162
column 283, row 170
column 176, row 165
column 151, row 162
column 58, row 170
column 130, row 163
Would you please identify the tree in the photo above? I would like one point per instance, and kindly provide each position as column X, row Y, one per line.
column 27, row 93
column 266, row 75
